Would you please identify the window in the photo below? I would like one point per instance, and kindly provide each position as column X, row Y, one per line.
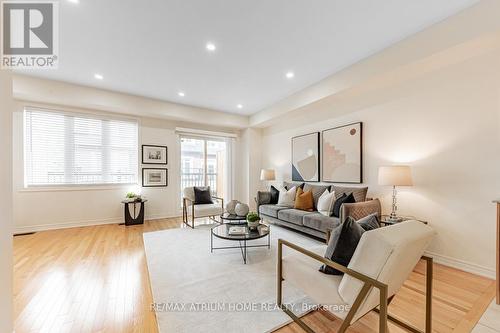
column 73, row 149
column 206, row 162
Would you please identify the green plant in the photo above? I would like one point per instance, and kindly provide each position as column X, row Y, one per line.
column 253, row 217
column 131, row 195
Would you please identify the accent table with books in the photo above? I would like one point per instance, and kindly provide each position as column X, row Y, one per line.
column 242, row 234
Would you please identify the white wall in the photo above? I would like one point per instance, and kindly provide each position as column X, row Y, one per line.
column 445, row 123
column 44, row 209
column 6, row 202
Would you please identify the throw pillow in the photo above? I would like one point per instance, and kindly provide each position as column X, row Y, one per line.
column 342, row 244
column 289, row 185
column 325, row 203
column 275, row 193
column 202, row 195
column 304, row 200
column 369, row 222
column 340, row 201
column 287, row 197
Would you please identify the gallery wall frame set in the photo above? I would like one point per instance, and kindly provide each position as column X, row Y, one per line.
column 341, row 155
column 154, row 155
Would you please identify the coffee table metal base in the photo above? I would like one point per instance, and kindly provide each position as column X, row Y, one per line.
column 243, row 247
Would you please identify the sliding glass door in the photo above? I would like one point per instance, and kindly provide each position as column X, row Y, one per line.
column 206, row 162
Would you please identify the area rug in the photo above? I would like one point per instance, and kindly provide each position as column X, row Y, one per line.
column 198, row 291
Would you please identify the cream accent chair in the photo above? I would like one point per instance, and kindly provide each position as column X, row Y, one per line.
column 383, row 260
column 199, row 210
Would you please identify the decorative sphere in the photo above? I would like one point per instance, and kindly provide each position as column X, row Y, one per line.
column 241, row 209
column 231, row 205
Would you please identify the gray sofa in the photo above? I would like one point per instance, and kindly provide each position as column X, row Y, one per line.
column 314, row 223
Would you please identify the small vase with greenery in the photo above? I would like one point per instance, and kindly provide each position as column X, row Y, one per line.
column 133, row 197
column 253, row 220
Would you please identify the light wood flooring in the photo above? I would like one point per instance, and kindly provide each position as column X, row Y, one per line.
column 95, row 279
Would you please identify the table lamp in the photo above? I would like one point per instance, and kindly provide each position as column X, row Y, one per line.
column 395, row 175
column 267, row 175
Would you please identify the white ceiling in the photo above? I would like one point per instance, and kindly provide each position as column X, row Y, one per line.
column 157, row 48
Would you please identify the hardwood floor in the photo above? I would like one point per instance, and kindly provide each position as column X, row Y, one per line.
column 95, row 279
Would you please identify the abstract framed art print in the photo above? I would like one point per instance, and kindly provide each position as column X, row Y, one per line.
column 342, row 154
column 305, row 158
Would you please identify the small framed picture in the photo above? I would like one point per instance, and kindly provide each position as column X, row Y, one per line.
column 154, row 177
column 154, row 154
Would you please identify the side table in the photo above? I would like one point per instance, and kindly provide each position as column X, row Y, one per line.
column 136, row 218
column 386, row 221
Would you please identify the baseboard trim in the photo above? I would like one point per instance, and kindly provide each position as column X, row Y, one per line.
column 77, row 224
column 462, row 265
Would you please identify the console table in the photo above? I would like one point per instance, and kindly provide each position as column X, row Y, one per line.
column 497, row 202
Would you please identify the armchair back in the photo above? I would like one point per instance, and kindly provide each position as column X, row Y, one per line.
column 388, row 255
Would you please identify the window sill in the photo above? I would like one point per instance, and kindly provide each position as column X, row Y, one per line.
column 76, row 188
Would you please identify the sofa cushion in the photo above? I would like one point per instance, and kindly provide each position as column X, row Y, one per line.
column 320, row 222
column 304, row 200
column 271, row 210
column 294, row 216
column 317, row 191
column 359, row 193
column 300, row 270
column 204, row 210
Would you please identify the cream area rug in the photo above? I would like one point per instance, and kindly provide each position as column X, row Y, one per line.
column 198, row 291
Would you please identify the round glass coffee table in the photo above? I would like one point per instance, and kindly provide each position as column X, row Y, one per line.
column 242, row 234
column 233, row 219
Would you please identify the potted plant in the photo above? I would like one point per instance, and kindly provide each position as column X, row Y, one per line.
column 253, row 220
column 131, row 196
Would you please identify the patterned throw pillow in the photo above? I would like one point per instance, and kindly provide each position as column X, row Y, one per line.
column 304, row 200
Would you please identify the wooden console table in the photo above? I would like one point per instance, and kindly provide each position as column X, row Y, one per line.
column 497, row 202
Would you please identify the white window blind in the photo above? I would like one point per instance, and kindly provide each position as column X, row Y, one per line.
column 74, row 149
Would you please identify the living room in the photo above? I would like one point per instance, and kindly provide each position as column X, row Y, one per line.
column 178, row 186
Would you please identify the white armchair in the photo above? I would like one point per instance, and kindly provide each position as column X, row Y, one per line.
column 199, row 210
column 383, row 260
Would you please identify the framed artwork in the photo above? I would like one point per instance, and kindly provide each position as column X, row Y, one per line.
column 342, row 154
column 154, row 177
column 154, row 154
column 305, row 158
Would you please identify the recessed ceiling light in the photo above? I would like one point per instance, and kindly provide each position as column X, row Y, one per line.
column 98, row 76
column 290, row 75
column 210, row 47
column 74, row 1
column 239, row 106
column 181, row 93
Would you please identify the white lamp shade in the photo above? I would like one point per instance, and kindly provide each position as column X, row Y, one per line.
column 267, row 174
column 395, row 175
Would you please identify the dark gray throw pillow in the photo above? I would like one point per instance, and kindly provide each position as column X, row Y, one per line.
column 342, row 244
column 202, row 195
column 369, row 222
column 342, row 200
column 275, row 193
